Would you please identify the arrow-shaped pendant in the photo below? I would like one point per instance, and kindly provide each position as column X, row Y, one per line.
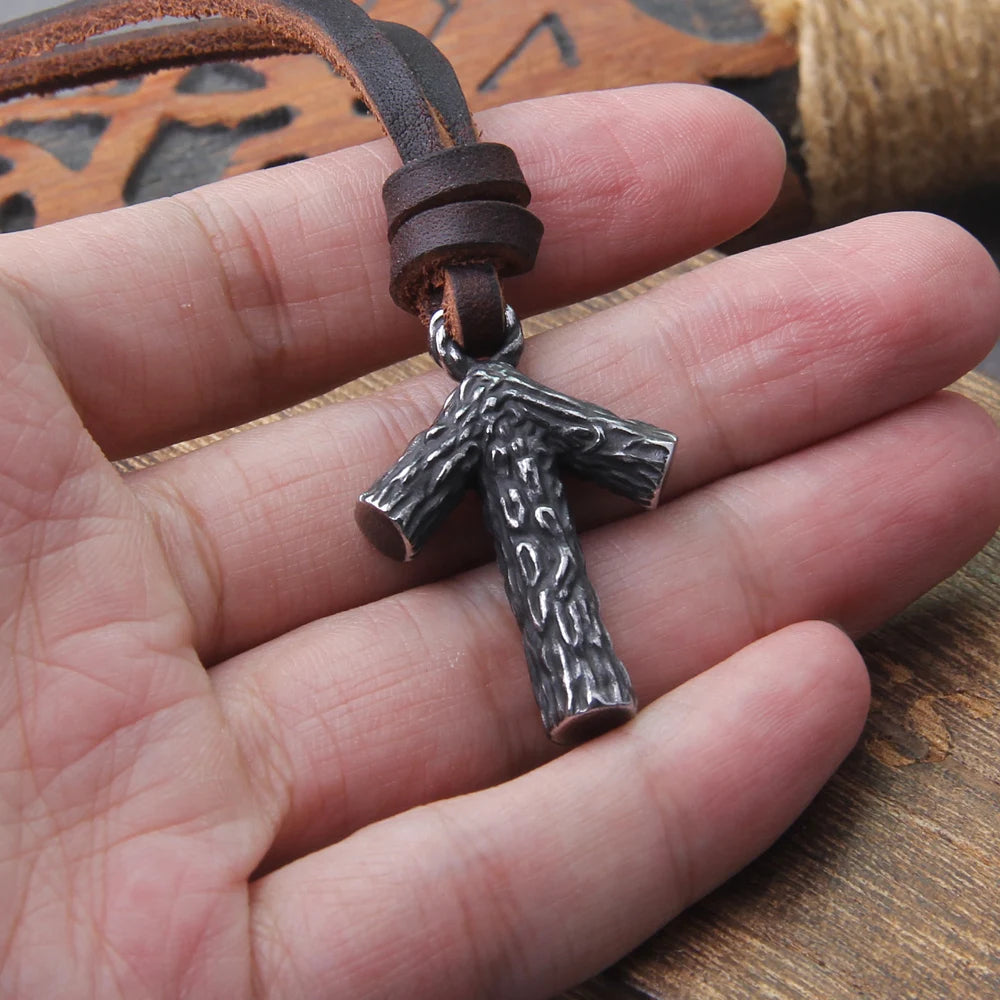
column 510, row 436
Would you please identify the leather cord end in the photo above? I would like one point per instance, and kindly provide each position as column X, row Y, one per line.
column 457, row 224
column 474, row 308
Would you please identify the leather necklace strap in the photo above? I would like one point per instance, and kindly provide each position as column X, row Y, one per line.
column 456, row 209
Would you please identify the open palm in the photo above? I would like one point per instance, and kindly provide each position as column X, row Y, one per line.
column 356, row 799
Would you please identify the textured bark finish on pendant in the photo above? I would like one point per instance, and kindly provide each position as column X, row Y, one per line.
column 509, row 435
column 575, row 673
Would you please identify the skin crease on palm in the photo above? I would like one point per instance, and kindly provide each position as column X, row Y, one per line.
column 241, row 755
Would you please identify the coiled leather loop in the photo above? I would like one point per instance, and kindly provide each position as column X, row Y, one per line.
column 495, row 232
column 487, row 171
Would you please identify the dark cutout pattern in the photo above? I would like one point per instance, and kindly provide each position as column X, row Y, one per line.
column 183, row 156
column 125, row 87
column 716, row 20
column 551, row 24
column 221, row 78
column 17, row 213
column 71, row 140
column 283, row 161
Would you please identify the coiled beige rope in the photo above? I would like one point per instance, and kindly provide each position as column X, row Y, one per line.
column 899, row 99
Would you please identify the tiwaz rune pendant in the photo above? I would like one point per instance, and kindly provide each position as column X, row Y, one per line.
column 509, row 436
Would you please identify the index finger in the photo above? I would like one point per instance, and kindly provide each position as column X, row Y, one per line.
column 179, row 317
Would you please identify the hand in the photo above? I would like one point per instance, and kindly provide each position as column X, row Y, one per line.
column 356, row 799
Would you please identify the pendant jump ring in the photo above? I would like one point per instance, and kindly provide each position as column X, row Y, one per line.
column 447, row 352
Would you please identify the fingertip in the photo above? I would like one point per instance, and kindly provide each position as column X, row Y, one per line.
column 980, row 477
column 941, row 271
column 953, row 244
column 793, row 703
column 747, row 147
column 689, row 162
column 833, row 680
column 812, row 697
column 973, row 276
column 726, row 153
column 954, row 247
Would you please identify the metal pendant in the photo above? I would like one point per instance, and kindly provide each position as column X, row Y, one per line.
column 510, row 436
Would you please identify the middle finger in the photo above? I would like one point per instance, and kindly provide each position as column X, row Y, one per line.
column 744, row 360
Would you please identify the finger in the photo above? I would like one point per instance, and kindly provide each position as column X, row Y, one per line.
column 178, row 317
column 111, row 741
column 99, row 679
column 425, row 695
column 63, row 510
column 523, row 890
column 745, row 360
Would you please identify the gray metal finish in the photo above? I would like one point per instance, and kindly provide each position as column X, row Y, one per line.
column 508, row 435
column 450, row 356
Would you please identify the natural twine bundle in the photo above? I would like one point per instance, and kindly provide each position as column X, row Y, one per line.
column 899, row 100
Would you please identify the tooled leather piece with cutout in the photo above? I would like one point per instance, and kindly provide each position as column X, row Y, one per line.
column 458, row 221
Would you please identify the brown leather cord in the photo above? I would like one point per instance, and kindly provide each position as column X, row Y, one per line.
column 376, row 68
column 108, row 57
column 474, row 308
column 136, row 52
column 468, row 232
column 405, row 81
column 430, row 233
column 487, row 171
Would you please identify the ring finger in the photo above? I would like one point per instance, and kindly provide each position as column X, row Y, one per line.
column 424, row 695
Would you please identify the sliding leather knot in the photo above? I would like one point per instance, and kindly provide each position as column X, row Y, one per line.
column 458, row 223
column 486, row 171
